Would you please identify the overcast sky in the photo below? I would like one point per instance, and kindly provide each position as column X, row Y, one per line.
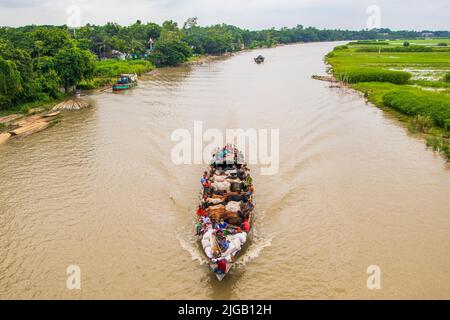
column 251, row 14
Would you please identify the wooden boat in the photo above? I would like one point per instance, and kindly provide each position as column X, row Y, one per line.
column 126, row 81
column 212, row 266
column 230, row 181
column 259, row 59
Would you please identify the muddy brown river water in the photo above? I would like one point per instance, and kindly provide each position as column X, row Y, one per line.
column 99, row 190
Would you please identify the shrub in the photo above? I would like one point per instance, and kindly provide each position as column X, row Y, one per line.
column 369, row 42
column 10, row 83
column 113, row 67
column 442, row 44
column 441, row 145
column 87, row 85
column 430, row 104
column 420, row 124
column 406, row 44
column 374, row 75
column 171, row 52
column 447, row 77
column 95, row 84
column 435, row 143
column 446, row 151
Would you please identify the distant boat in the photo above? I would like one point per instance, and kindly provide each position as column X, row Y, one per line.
column 126, row 82
column 259, row 59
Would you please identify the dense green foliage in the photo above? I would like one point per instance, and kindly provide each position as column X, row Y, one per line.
column 396, row 49
column 74, row 65
column 37, row 61
column 420, row 123
column 440, row 144
column 10, row 82
column 369, row 67
column 373, row 75
column 432, row 105
column 113, row 67
column 447, row 77
column 367, row 42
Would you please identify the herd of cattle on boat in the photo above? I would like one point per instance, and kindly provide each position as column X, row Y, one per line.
column 225, row 212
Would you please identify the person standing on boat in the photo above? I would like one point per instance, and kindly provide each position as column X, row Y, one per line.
column 201, row 211
column 207, row 187
column 204, row 178
column 198, row 229
column 206, row 220
column 248, row 180
column 222, row 225
column 221, row 267
column 246, row 226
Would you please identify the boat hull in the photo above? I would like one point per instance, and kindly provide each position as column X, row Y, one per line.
column 122, row 87
column 231, row 265
column 226, row 210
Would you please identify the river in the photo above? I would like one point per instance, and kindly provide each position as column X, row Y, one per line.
column 99, row 190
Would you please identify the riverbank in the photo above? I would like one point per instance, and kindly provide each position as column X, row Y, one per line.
column 202, row 59
column 24, row 121
column 98, row 182
column 19, row 126
column 407, row 83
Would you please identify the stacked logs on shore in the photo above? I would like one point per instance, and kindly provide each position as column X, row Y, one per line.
column 71, row 105
column 22, row 126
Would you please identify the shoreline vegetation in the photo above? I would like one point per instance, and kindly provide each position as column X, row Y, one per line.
column 42, row 66
column 27, row 119
column 407, row 78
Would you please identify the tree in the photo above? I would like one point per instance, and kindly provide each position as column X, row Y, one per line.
column 47, row 77
column 170, row 31
column 74, row 65
column 190, row 23
column 10, row 83
column 24, row 64
column 171, row 52
column 50, row 40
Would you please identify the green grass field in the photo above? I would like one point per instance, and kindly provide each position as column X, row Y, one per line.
column 419, row 93
column 107, row 71
column 113, row 68
column 426, row 42
column 422, row 65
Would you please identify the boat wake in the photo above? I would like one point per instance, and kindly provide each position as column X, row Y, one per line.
column 190, row 245
column 257, row 245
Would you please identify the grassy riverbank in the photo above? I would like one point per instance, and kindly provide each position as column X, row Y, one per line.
column 403, row 79
column 106, row 74
column 27, row 108
column 107, row 71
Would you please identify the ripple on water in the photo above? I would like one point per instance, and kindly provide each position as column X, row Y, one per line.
column 99, row 190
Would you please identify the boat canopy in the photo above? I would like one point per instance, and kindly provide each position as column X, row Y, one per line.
column 128, row 78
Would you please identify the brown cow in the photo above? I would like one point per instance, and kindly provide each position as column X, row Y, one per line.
column 232, row 218
column 217, row 196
